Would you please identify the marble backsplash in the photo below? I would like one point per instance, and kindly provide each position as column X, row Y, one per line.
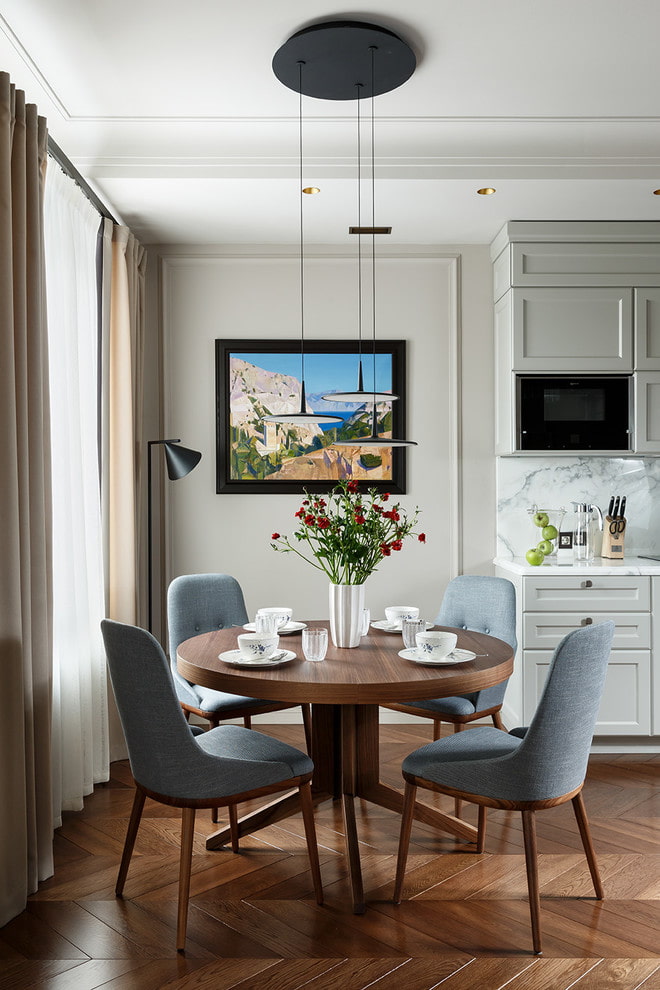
column 555, row 482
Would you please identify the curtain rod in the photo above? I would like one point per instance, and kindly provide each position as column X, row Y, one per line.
column 70, row 169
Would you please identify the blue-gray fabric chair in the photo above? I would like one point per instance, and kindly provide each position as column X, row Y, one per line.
column 173, row 765
column 483, row 604
column 527, row 769
column 200, row 603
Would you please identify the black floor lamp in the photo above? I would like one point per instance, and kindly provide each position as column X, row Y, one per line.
column 180, row 462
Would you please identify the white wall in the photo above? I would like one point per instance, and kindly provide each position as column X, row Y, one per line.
column 208, row 295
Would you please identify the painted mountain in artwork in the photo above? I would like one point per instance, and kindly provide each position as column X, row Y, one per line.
column 291, row 452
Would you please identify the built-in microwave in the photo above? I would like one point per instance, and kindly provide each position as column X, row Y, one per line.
column 574, row 412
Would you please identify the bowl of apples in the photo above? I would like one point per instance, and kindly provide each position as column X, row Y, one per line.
column 547, row 524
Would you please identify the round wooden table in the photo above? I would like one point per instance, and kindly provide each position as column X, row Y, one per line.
column 345, row 691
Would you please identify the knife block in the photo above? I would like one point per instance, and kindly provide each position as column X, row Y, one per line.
column 613, row 543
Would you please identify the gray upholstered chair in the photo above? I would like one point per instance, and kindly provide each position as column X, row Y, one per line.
column 527, row 769
column 200, row 603
column 483, row 604
column 172, row 765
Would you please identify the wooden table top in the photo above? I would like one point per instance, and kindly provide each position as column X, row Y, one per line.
column 372, row 673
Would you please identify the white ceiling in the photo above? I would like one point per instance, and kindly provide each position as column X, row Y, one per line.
column 171, row 110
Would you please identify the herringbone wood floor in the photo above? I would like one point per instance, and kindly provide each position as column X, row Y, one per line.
column 253, row 922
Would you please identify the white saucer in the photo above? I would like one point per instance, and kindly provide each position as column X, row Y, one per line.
column 456, row 656
column 236, row 659
column 290, row 627
column 390, row 627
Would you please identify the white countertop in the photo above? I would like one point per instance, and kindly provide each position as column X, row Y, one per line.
column 629, row 565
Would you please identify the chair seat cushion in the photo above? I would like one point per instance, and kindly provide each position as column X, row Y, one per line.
column 249, row 759
column 447, row 706
column 219, row 701
column 466, row 761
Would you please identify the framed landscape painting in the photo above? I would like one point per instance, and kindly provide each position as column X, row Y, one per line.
column 256, row 378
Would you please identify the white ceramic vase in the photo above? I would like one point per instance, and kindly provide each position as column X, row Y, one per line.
column 346, row 605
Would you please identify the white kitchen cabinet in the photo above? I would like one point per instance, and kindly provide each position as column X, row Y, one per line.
column 553, row 603
column 647, row 329
column 572, row 329
column 647, row 412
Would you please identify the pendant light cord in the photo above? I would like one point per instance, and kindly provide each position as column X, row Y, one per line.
column 358, row 86
column 302, row 265
column 372, row 49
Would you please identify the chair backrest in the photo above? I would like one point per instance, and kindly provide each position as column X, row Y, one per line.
column 481, row 603
column 160, row 743
column 552, row 758
column 200, row 603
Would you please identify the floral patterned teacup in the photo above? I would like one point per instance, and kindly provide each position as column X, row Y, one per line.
column 258, row 646
column 435, row 644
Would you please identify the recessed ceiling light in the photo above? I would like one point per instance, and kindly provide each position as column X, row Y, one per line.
column 310, row 190
column 486, row 191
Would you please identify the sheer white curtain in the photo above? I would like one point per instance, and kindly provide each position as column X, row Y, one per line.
column 80, row 718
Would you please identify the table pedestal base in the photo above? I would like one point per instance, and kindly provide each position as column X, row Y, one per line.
column 346, row 764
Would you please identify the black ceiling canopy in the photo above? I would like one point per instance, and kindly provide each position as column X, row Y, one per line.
column 337, row 57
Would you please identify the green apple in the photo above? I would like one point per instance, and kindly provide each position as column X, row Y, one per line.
column 545, row 546
column 535, row 557
column 549, row 533
column 540, row 519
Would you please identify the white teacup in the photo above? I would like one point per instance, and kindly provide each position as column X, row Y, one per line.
column 258, row 646
column 435, row 644
column 280, row 613
column 395, row 614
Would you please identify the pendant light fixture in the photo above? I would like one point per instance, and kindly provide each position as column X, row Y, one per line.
column 302, row 417
column 374, row 440
column 360, row 394
column 339, row 59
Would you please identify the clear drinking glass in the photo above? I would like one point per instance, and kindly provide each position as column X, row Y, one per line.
column 409, row 630
column 366, row 621
column 315, row 643
column 265, row 623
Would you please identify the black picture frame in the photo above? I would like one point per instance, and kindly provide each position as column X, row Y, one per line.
column 237, row 467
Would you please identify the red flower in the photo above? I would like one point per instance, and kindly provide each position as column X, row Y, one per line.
column 306, row 501
column 300, row 513
column 384, row 497
column 385, row 549
column 397, row 545
column 275, row 536
column 360, row 520
column 323, row 522
column 422, row 537
column 310, row 520
column 393, row 515
column 352, row 487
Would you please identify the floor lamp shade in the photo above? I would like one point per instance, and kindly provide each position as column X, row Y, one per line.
column 180, row 461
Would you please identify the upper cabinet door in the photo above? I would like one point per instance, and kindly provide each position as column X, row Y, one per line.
column 573, row 329
column 647, row 329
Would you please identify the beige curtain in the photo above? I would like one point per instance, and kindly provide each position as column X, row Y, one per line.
column 123, row 380
column 25, row 529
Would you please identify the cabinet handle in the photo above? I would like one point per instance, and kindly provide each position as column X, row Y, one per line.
column 587, row 584
column 587, row 622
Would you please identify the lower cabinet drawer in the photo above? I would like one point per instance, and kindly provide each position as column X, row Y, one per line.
column 543, row 630
column 626, row 704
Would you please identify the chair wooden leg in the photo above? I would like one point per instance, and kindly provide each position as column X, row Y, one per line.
column 529, row 833
column 497, row 721
column 233, row 826
column 404, row 838
column 585, row 835
column 307, row 808
column 481, row 828
column 307, row 724
column 185, row 862
column 436, row 729
column 247, row 721
column 214, row 815
column 131, row 833
column 458, row 804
